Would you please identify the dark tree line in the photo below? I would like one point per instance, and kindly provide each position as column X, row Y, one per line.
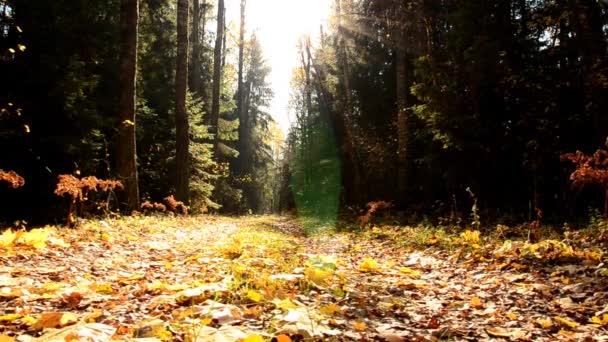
column 423, row 99
column 134, row 90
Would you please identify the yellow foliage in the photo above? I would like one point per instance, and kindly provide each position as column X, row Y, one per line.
column 470, row 238
column 368, row 265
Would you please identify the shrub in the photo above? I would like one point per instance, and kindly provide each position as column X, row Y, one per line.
column 372, row 209
column 78, row 189
column 590, row 170
column 175, row 206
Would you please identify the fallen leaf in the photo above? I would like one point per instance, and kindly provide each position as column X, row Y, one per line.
column 544, row 323
column 254, row 296
column 330, row 309
column 368, row 265
column 283, row 338
column 253, row 338
column 567, row 322
column 54, row 320
column 476, row 302
column 359, row 326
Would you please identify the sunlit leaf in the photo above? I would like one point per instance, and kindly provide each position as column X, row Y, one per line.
column 330, row 309
column 55, row 320
column 476, row 302
column 5, row 338
column 368, row 265
column 600, row 321
column 10, row 317
column 565, row 321
column 254, row 295
column 21, row 47
column 512, row 316
column 283, row 338
column 544, row 323
column 359, row 326
column 253, row 338
column 317, row 276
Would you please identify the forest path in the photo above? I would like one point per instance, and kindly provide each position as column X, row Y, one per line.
column 224, row 279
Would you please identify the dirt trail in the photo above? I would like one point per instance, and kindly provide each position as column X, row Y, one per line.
column 223, row 279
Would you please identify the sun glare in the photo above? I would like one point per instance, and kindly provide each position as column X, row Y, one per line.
column 279, row 24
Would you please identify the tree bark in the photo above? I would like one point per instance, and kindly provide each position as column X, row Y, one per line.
column 127, row 149
column 217, row 76
column 182, row 138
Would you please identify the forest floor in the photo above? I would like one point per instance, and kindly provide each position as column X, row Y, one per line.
column 262, row 279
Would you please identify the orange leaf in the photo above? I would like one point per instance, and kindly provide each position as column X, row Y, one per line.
column 283, row 338
column 359, row 326
column 476, row 303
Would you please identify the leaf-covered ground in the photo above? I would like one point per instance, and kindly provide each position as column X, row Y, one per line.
column 261, row 279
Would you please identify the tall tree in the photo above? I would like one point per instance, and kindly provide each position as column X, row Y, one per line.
column 182, row 139
column 126, row 158
column 217, row 74
column 196, row 43
column 240, row 93
column 402, row 89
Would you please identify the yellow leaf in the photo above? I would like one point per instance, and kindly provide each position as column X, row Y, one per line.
column 283, row 338
column 512, row 316
column 21, row 47
column 544, row 323
column 564, row 321
column 168, row 265
column 10, row 317
column 35, row 238
column 104, row 288
column 253, row 338
column 26, row 128
column 19, row 29
column 368, row 265
column 476, row 303
column 359, row 326
column 5, row 338
column 254, row 295
column 411, row 272
column 9, row 237
column 330, row 309
column 128, row 123
column 285, row 304
column 54, row 320
column 317, row 276
column 29, row 320
column 11, row 50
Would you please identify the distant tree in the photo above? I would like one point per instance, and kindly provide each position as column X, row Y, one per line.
column 126, row 158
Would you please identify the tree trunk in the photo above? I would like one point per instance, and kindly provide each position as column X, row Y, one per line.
column 195, row 68
column 241, row 145
column 402, row 112
column 217, row 76
column 127, row 150
column 182, row 138
column 353, row 188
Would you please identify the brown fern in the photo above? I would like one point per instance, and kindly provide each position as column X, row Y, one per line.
column 176, row 206
column 372, row 209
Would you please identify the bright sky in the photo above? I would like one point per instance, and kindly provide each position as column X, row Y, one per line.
column 278, row 25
